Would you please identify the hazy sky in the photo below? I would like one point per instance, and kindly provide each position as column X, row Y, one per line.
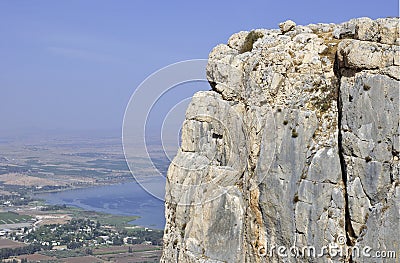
column 73, row 65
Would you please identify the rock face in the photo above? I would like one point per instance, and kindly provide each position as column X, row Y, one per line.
column 296, row 145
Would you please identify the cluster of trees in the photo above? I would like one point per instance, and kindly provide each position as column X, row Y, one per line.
column 13, row 169
column 74, row 245
column 78, row 232
column 15, row 199
column 30, row 249
column 154, row 236
column 73, row 234
column 53, row 207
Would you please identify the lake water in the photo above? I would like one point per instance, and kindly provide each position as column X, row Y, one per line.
column 121, row 199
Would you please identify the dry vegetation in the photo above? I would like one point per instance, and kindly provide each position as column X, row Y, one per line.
column 26, row 180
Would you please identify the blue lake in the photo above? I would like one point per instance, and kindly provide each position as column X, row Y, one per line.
column 121, row 199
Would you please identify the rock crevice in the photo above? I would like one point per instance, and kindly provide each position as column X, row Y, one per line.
column 350, row 236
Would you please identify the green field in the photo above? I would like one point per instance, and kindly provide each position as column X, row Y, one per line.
column 104, row 219
column 13, row 218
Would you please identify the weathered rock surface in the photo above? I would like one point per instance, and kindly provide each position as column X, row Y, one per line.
column 297, row 144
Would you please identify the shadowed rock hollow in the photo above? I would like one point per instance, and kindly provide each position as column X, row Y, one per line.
column 296, row 144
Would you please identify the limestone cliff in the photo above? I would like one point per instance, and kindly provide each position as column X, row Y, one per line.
column 296, row 144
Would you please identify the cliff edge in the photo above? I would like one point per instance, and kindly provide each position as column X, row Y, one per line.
column 296, row 145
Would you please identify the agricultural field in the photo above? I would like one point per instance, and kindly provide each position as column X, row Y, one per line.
column 43, row 166
column 37, row 258
column 29, row 170
column 13, row 218
column 6, row 243
column 118, row 221
column 119, row 254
